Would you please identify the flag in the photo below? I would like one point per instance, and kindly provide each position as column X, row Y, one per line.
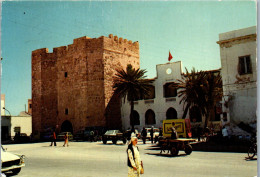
column 170, row 56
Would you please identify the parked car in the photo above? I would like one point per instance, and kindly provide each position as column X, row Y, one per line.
column 62, row 134
column 80, row 135
column 113, row 135
column 45, row 136
column 155, row 133
column 11, row 162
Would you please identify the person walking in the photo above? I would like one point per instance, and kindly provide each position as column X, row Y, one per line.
column 134, row 162
column 91, row 135
column 144, row 134
column 160, row 131
column 174, row 132
column 151, row 133
column 199, row 132
column 66, row 139
column 53, row 138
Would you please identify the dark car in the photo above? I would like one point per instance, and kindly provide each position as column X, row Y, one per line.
column 46, row 136
column 94, row 133
column 113, row 135
column 79, row 135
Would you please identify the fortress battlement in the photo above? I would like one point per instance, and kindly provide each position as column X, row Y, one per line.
column 121, row 40
column 39, row 51
column 110, row 43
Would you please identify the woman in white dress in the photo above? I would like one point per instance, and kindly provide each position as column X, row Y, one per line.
column 134, row 161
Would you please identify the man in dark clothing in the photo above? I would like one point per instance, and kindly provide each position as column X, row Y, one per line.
column 53, row 138
column 160, row 131
column 151, row 133
column 144, row 134
column 174, row 132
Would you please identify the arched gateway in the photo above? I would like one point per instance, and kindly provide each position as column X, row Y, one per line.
column 66, row 126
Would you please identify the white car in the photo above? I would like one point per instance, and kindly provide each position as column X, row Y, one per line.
column 11, row 162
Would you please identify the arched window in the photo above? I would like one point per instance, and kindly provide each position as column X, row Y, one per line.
column 135, row 120
column 150, row 117
column 171, row 114
column 195, row 115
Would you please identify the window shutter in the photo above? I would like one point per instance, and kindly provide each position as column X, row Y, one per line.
column 239, row 67
column 248, row 64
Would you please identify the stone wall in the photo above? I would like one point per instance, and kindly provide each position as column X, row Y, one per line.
column 74, row 82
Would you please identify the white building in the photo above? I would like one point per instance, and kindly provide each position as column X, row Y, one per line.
column 163, row 103
column 151, row 111
column 11, row 124
column 239, row 74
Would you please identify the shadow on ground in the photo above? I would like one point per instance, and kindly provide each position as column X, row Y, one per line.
column 166, row 155
column 109, row 144
column 248, row 159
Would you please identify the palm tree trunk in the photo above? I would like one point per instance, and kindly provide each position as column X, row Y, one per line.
column 209, row 115
column 131, row 114
column 206, row 119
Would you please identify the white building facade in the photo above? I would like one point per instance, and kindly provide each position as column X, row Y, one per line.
column 152, row 111
column 14, row 124
column 239, row 75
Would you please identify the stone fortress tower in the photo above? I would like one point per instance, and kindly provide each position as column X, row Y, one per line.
column 72, row 87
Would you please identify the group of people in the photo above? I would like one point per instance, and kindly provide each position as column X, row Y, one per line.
column 54, row 138
column 144, row 134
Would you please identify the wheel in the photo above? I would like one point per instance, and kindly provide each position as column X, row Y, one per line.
column 174, row 151
column 188, row 149
column 16, row 171
column 251, row 152
column 124, row 140
column 104, row 141
column 114, row 141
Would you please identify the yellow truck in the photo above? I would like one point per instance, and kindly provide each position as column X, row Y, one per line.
column 182, row 126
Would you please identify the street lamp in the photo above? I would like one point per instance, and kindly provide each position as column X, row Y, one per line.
column 7, row 110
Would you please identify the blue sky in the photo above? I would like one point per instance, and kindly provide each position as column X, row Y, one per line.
column 188, row 29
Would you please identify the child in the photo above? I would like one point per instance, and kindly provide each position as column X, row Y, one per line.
column 66, row 139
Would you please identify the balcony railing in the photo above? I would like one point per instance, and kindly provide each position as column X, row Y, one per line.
column 135, row 102
column 170, row 99
column 148, row 101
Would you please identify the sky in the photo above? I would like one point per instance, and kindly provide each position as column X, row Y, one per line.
column 188, row 29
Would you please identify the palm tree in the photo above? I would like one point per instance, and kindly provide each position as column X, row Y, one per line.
column 213, row 94
column 191, row 90
column 201, row 89
column 131, row 83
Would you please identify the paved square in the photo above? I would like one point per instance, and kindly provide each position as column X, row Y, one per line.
column 86, row 159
